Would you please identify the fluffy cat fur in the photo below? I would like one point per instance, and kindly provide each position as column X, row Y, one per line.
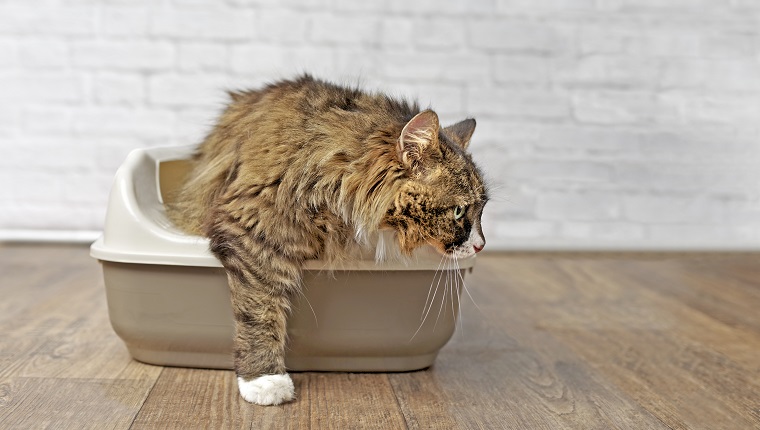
column 306, row 169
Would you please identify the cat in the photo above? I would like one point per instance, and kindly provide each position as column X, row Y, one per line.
column 305, row 169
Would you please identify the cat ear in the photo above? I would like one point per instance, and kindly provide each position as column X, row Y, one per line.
column 461, row 132
column 418, row 134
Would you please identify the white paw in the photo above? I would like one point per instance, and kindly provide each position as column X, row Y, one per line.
column 267, row 389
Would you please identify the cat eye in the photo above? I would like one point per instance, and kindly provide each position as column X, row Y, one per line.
column 459, row 212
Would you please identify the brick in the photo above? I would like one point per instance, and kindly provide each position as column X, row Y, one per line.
column 583, row 206
column 282, row 26
column 194, row 124
column 435, row 67
column 544, row 6
column 252, row 3
column 124, row 20
column 37, row 215
column 590, row 140
column 654, row 5
column 516, row 103
column 10, row 119
column 664, row 44
column 514, row 35
column 519, row 229
column 62, row 154
column 547, row 171
column 306, row 4
column 137, row 55
column 8, row 54
column 352, row 65
column 455, row 7
column 614, row 71
column 489, row 156
column 626, row 38
column 43, row 53
column 37, row 187
column 396, row 32
column 603, row 231
column 360, row 6
column 511, row 200
column 605, row 39
column 736, row 178
column 196, row 57
column 204, row 23
column 42, row 87
column 515, row 138
column 434, row 32
column 29, row 18
column 701, row 144
column 188, row 90
column 123, row 122
column 444, row 99
column 721, row 75
column 276, row 62
column 684, row 73
column 617, row 107
column 197, row 2
column 45, row 120
column 522, row 70
column 606, row 121
column 670, row 209
column 344, row 30
column 721, row 46
column 745, row 6
column 717, row 108
column 119, row 89
column 87, row 187
column 694, row 234
column 110, row 151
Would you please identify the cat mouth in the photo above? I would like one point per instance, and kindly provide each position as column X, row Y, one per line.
column 454, row 251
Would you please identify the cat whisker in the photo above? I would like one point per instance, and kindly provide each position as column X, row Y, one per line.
column 431, row 288
column 446, row 287
column 454, row 295
column 467, row 290
column 432, row 299
column 459, row 297
column 316, row 321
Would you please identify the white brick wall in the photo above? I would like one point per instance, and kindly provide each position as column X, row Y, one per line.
column 602, row 123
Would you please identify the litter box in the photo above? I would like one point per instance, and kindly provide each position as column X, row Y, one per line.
column 168, row 298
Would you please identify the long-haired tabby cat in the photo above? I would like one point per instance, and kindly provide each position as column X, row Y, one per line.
column 306, row 169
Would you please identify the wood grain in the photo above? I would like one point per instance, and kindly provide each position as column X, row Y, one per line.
column 557, row 341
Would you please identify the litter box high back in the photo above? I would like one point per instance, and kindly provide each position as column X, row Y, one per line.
column 169, row 302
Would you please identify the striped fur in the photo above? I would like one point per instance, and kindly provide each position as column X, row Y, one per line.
column 305, row 169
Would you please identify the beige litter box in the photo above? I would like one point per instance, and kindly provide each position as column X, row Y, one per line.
column 168, row 298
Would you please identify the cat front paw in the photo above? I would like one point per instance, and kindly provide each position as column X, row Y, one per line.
column 267, row 390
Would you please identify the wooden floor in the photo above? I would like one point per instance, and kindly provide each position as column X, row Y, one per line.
column 593, row 341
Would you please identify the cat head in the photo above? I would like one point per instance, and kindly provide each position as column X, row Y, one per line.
column 442, row 199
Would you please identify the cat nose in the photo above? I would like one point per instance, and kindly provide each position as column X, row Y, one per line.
column 477, row 248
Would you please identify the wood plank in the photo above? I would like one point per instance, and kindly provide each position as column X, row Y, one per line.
column 626, row 322
column 61, row 364
column 193, row 398
column 27, row 403
column 349, row 400
column 722, row 309
column 559, row 341
column 183, row 398
column 422, row 400
column 549, row 386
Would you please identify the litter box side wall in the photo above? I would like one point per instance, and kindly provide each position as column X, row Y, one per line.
column 344, row 321
column 171, row 315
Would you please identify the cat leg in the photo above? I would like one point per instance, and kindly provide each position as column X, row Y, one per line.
column 267, row 390
column 259, row 348
column 261, row 283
